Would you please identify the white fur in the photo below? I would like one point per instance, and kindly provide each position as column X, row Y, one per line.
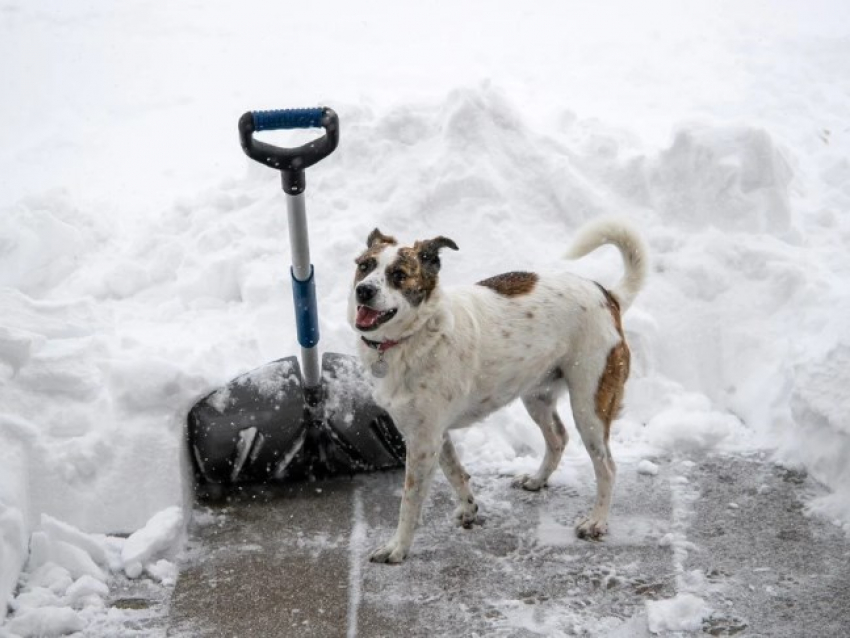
column 468, row 351
column 608, row 230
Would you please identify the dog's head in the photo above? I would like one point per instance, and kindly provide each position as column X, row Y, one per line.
column 394, row 284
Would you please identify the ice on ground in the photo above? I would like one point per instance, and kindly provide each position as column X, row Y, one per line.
column 163, row 571
column 84, row 589
column 647, row 467
column 684, row 612
column 160, row 535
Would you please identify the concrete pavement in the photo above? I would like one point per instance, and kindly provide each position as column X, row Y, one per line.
column 295, row 563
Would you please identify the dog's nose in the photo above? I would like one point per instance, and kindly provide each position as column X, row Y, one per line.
column 365, row 293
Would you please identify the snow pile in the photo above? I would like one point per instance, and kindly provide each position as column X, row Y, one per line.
column 819, row 407
column 65, row 588
column 161, row 533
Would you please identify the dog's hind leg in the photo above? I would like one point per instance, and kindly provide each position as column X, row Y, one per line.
column 467, row 509
column 595, row 400
column 541, row 406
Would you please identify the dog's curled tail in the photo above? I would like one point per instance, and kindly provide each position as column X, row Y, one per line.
column 631, row 246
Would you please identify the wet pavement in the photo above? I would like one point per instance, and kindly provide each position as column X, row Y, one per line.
column 730, row 528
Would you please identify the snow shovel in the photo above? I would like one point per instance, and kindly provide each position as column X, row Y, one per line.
column 285, row 421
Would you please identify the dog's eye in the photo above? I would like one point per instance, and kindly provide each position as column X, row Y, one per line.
column 365, row 266
column 398, row 277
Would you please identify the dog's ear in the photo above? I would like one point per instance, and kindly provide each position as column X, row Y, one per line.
column 429, row 251
column 377, row 237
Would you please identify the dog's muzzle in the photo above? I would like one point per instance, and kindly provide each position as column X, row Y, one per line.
column 365, row 293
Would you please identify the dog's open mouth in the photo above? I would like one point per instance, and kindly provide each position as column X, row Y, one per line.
column 369, row 318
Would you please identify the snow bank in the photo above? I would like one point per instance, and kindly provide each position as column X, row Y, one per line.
column 66, row 584
column 819, row 408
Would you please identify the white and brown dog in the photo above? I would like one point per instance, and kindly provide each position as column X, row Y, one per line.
column 446, row 358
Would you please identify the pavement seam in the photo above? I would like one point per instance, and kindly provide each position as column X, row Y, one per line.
column 356, row 545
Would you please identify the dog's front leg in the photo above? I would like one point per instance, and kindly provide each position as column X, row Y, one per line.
column 423, row 449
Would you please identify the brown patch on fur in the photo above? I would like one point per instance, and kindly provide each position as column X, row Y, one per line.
column 529, row 314
column 614, row 308
column 511, row 284
column 409, row 481
column 609, row 392
column 407, row 275
column 367, row 261
column 415, row 271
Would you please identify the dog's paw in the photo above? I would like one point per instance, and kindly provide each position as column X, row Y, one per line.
column 393, row 552
column 466, row 515
column 591, row 529
column 527, row 482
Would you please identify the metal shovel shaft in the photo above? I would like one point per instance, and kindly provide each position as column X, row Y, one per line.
column 302, row 274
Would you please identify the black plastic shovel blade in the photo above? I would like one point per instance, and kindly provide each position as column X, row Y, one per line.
column 356, row 425
column 250, row 429
column 259, row 428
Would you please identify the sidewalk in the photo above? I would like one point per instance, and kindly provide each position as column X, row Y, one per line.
column 730, row 529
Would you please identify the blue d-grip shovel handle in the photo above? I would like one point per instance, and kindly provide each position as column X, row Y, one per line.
column 287, row 119
column 291, row 162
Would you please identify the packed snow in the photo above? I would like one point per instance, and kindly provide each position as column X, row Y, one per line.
column 66, row 585
column 685, row 612
column 143, row 258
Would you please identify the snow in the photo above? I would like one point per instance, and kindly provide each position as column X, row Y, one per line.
column 161, row 534
column 52, row 621
column 68, row 572
column 684, row 612
column 647, row 467
column 143, row 259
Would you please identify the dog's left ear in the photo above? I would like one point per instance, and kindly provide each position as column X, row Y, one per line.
column 429, row 251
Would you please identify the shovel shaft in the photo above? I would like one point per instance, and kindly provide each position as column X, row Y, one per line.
column 304, row 290
column 299, row 240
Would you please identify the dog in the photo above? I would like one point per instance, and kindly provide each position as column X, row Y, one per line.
column 446, row 358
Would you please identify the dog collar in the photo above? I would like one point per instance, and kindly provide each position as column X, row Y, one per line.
column 381, row 367
column 382, row 346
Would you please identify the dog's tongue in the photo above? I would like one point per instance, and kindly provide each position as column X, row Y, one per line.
column 367, row 317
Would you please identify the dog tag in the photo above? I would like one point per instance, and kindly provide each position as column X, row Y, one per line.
column 380, row 368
